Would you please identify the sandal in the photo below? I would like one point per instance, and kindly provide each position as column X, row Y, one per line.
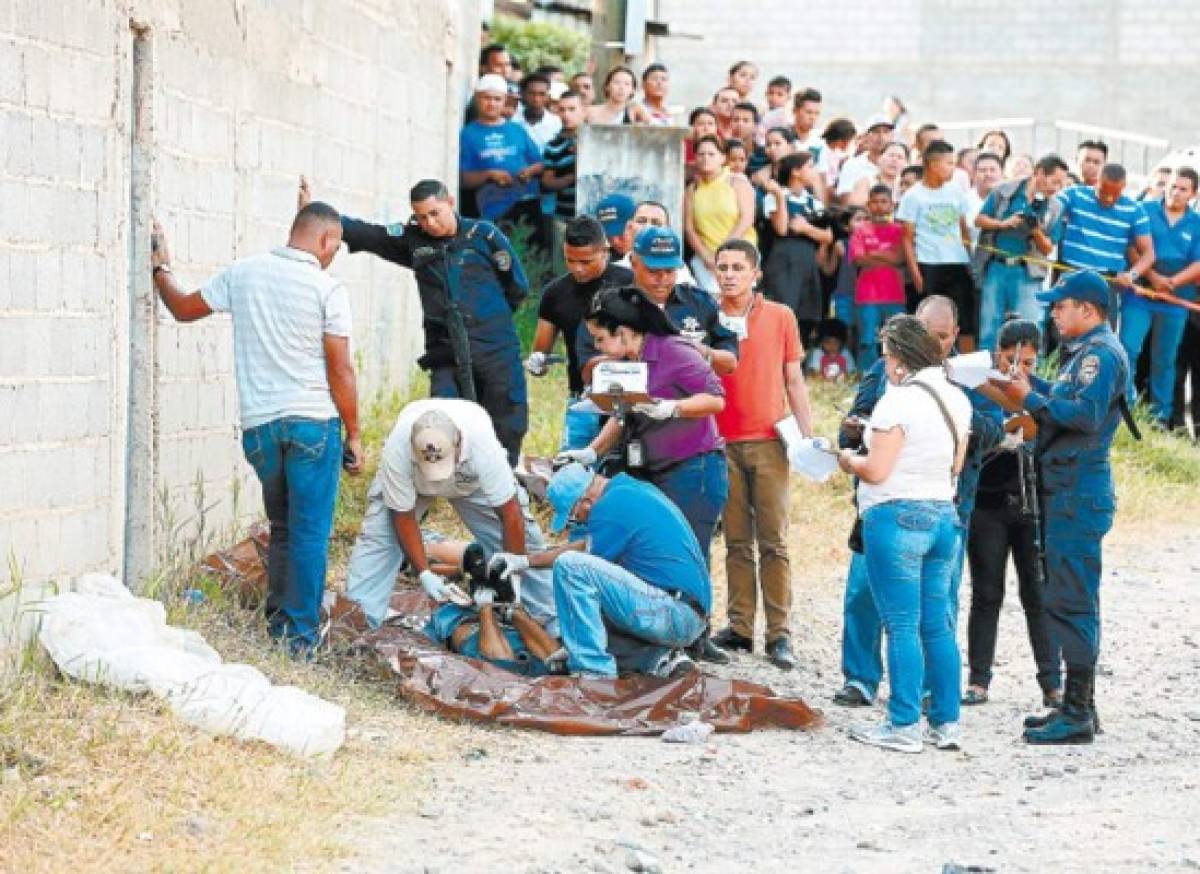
column 975, row 695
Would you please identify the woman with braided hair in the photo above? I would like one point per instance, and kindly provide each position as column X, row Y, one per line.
column 916, row 442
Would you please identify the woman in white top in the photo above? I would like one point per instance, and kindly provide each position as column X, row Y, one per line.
column 619, row 107
column 916, row 441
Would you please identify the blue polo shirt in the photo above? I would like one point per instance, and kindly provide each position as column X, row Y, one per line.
column 1096, row 238
column 1175, row 247
column 638, row 528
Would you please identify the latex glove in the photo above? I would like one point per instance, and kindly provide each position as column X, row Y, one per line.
column 585, row 456
column 508, row 564
column 659, row 410
column 1013, row 441
column 536, row 364
column 434, row 585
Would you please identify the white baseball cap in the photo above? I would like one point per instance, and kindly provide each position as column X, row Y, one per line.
column 492, row 83
column 435, row 440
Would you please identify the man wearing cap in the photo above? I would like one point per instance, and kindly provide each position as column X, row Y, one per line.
column 498, row 160
column 443, row 448
column 865, row 164
column 1076, row 422
column 638, row 584
column 470, row 282
column 614, row 212
column 657, row 256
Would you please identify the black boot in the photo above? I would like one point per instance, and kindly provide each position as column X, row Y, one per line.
column 1092, row 707
column 1073, row 723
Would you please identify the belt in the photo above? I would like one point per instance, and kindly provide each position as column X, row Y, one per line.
column 1009, row 261
column 681, row 595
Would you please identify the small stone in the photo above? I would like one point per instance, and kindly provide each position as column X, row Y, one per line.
column 640, row 860
column 196, row 826
column 145, row 836
column 431, row 811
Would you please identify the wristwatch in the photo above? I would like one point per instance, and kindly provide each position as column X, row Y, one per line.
column 161, row 268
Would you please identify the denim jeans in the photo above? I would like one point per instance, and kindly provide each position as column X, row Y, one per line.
column 912, row 548
column 870, row 318
column 699, row 487
column 579, row 427
column 1005, row 290
column 592, row 594
column 1166, row 332
column 377, row 556
column 862, row 632
column 297, row 461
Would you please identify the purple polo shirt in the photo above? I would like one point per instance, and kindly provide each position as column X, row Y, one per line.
column 677, row 370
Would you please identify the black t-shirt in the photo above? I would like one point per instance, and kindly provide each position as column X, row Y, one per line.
column 564, row 304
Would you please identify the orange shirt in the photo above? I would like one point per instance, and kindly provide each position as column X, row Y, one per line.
column 754, row 393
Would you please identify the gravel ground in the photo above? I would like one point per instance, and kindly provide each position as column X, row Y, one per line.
column 782, row 801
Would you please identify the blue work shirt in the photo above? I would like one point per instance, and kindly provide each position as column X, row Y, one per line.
column 1095, row 237
column 1175, row 247
column 636, row 527
column 506, row 146
column 478, row 264
column 1078, row 417
column 1010, row 242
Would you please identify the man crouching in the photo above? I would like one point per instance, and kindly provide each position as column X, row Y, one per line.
column 635, row 590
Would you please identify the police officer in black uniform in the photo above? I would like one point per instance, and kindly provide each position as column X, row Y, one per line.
column 470, row 282
column 1076, row 422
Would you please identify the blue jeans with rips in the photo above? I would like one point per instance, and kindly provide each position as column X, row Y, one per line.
column 592, row 594
column 911, row 552
column 1006, row 289
column 1166, row 332
column 297, row 461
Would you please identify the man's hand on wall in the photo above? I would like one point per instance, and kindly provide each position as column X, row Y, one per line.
column 160, row 255
column 304, row 194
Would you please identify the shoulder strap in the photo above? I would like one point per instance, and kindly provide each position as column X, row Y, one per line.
column 937, row 399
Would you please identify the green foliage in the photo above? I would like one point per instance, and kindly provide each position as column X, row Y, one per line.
column 538, row 269
column 536, row 43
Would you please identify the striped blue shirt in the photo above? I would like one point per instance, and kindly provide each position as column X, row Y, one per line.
column 1095, row 237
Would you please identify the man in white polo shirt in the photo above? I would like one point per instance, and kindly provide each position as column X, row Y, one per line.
column 444, row 448
column 296, row 389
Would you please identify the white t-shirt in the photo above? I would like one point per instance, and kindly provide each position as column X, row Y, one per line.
column 935, row 213
column 820, row 151
column 283, row 304
column 923, row 470
column 482, row 468
column 544, row 130
column 858, row 167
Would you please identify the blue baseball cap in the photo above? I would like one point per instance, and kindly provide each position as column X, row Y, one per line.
column 1086, row 285
column 614, row 213
column 659, row 248
column 566, row 488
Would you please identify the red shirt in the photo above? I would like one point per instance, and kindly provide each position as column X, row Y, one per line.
column 754, row 393
column 878, row 284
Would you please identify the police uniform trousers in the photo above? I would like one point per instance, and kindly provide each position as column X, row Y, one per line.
column 499, row 389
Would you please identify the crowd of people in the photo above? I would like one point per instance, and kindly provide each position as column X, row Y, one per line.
column 873, row 251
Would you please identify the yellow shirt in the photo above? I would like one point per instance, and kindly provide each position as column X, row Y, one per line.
column 715, row 211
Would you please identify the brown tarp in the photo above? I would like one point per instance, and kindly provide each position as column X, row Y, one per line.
column 451, row 685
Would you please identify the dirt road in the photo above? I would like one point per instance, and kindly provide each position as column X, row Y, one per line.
column 776, row 801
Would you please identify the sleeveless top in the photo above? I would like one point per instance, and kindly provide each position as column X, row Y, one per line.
column 715, row 211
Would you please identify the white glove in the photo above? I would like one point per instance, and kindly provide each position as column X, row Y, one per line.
column 434, row 585
column 536, row 363
column 1012, row 442
column 585, row 456
column 660, row 410
column 511, row 562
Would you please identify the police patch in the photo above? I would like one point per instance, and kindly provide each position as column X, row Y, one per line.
column 1088, row 368
column 503, row 259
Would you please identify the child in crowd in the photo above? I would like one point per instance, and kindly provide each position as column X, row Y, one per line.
column 737, row 158
column 838, row 272
column 831, row 360
column 877, row 250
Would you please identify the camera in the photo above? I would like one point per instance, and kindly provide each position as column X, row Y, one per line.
column 1033, row 213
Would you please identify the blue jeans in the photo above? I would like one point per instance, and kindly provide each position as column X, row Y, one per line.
column 911, row 552
column 870, row 318
column 699, row 487
column 1005, row 290
column 591, row 594
column 297, row 462
column 862, row 632
column 1166, row 332
column 579, row 428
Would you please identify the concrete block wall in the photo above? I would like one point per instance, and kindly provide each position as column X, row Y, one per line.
column 243, row 97
column 1127, row 64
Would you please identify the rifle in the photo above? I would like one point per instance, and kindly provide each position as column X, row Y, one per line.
column 1030, row 508
column 456, row 326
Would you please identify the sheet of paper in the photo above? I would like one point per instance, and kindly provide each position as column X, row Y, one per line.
column 811, row 457
column 970, row 370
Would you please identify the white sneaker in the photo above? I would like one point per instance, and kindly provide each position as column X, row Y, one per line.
column 947, row 736
column 902, row 739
